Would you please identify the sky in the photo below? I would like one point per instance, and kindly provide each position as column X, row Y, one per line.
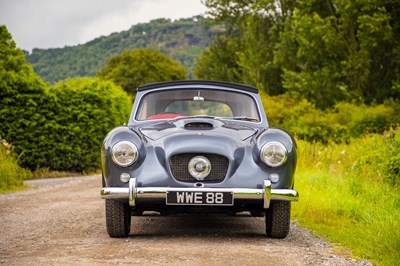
column 58, row 23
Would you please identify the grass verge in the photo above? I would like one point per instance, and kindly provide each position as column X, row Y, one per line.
column 346, row 195
column 12, row 176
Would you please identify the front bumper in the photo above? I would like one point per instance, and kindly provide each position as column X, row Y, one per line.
column 132, row 193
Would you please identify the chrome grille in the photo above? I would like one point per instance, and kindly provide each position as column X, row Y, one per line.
column 179, row 167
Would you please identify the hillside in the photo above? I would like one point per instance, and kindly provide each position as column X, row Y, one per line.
column 182, row 40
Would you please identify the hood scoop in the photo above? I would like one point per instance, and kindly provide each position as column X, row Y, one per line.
column 198, row 125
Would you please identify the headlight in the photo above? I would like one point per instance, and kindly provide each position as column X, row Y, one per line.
column 274, row 154
column 124, row 153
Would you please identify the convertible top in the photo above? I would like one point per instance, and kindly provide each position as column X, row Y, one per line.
column 199, row 83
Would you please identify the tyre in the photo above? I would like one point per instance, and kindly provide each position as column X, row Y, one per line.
column 277, row 219
column 118, row 218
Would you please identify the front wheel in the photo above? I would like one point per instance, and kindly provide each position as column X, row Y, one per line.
column 277, row 219
column 118, row 218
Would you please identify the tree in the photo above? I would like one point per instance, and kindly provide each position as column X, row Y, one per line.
column 257, row 58
column 22, row 93
column 220, row 60
column 137, row 67
column 246, row 48
column 326, row 51
column 339, row 50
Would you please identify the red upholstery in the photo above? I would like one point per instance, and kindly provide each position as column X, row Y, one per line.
column 163, row 116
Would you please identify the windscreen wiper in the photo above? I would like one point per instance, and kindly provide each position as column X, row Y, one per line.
column 243, row 118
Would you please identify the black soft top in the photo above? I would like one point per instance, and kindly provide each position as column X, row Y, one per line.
column 156, row 85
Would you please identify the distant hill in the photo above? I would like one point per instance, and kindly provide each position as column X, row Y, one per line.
column 182, row 40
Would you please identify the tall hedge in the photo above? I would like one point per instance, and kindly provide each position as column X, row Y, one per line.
column 83, row 111
column 22, row 99
column 60, row 127
column 63, row 129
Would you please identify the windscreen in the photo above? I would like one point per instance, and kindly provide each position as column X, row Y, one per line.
column 187, row 103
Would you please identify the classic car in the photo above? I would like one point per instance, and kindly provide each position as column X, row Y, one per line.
column 198, row 147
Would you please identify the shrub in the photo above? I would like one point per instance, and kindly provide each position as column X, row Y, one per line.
column 302, row 119
column 339, row 124
column 61, row 128
column 363, row 119
column 83, row 111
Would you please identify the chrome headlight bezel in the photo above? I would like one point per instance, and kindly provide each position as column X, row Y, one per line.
column 124, row 153
column 274, row 154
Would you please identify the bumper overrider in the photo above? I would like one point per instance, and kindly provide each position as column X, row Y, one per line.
column 132, row 193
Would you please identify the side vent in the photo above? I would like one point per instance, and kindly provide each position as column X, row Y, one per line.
column 197, row 125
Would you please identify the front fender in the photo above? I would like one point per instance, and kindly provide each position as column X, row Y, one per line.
column 285, row 171
column 111, row 171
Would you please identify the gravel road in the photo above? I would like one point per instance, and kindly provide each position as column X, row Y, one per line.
column 61, row 222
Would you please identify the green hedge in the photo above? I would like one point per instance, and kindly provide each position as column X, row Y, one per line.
column 62, row 127
column 83, row 111
column 23, row 99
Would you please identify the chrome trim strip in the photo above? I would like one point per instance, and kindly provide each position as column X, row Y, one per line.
column 132, row 193
column 284, row 194
column 114, row 192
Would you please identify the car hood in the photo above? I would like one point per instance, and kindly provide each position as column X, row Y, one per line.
column 197, row 126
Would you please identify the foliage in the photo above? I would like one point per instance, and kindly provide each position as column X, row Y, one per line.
column 84, row 111
column 324, row 51
column 182, row 40
column 247, row 49
column 58, row 127
column 11, row 174
column 75, row 116
column 140, row 66
column 345, row 195
column 219, row 62
column 338, row 124
column 22, row 98
column 343, row 50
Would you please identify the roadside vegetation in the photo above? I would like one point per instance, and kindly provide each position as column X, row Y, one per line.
column 12, row 176
column 348, row 173
column 350, row 193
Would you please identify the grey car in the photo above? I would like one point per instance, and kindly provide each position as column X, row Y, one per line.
column 198, row 147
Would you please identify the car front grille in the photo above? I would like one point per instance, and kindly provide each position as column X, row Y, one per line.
column 179, row 167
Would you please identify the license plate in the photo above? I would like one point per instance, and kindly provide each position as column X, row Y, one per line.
column 199, row 198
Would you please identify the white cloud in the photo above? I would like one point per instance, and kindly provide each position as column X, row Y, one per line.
column 56, row 23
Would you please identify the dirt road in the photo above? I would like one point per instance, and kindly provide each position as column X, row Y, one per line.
column 62, row 223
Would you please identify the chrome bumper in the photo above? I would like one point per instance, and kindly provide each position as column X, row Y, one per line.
column 132, row 193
